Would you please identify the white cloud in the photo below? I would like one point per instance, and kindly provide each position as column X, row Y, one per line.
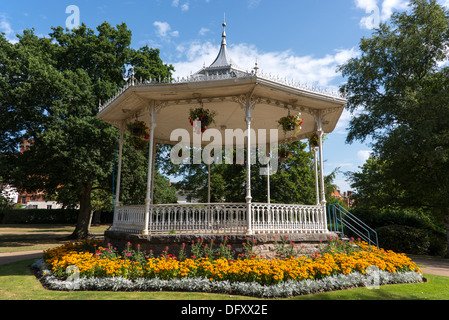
column 366, row 4
column 253, row 3
column 343, row 122
column 363, row 155
column 203, row 31
column 164, row 30
column 389, row 6
column 184, row 7
column 304, row 69
column 342, row 184
column 379, row 12
column 6, row 28
column 444, row 3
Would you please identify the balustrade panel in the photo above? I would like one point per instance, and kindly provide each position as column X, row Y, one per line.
column 221, row 218
column 287, row 218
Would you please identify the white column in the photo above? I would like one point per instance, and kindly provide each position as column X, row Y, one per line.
column 317, row 189
column 248, row 166
column 119, row 172
column 150, row 172
column 319, row 132
column 323, row 197
column 268, row 181
column 208, row 183
column 153, row 175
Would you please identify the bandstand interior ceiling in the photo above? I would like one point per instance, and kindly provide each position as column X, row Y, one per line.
column 172, row 102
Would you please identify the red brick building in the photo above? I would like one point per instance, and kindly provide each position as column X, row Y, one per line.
column 346, row 197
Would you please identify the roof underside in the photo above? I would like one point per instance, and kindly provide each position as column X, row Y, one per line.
column 272, row 101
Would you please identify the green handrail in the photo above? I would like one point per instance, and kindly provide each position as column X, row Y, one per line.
column 340, row 218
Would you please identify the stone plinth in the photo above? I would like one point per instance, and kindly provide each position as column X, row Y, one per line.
column 265, row 244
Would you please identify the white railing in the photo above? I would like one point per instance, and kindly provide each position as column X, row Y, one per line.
column 199, row 218
column 202, row 78
column 288, row 218
column 221, row 218
column 183, row 218
column 129, row 219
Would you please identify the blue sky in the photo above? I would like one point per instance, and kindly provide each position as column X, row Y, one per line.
column 297, row 39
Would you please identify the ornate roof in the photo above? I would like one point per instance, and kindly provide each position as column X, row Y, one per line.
column 222, row 64
column 222, row 87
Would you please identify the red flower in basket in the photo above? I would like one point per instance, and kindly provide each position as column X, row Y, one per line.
column 206, row 117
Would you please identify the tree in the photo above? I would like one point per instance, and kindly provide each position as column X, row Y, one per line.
column 374, row 187
column 147, row 64
column 51, row 88
column 135, row 174
column 294, row 182
column 401, row 86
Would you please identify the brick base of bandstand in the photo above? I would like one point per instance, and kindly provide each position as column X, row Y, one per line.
column 264, row 244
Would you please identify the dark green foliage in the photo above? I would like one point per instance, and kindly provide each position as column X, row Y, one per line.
column 50, row 89
column 294, row 181
column 148, row 65
column 39, row 216
column 404, row 239
column 401, row 86
column 433, row 235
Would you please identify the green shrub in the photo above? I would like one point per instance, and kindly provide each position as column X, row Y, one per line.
column 404, row 239
column 438, row 245
column 384, row 217
column 379, row 218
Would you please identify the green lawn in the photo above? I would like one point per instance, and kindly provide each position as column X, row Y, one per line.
column 18, row 283
column 16, row 238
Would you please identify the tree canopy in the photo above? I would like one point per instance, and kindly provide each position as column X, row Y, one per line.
column 50, row 91
column 294, row 181
column 398, row 93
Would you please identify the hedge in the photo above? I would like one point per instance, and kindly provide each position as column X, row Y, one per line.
column 45, row 216
column 38, row 216
column 404, row 230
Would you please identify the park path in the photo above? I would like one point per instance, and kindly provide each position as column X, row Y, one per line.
column 10, row 257
column 432, row 266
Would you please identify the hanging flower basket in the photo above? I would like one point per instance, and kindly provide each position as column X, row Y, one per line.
column 139, row 134
column 284, row 154
column 138, row 128
column 314, row 140
column 137, row 142
column 291, row 123
column 204, row 115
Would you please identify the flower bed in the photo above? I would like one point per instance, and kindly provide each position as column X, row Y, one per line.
column 99, row 267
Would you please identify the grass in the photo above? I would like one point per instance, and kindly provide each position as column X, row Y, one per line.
column 17, row 238
column 17, row 282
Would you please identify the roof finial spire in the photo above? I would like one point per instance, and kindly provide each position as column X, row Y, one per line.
column 256, row 68
column 224, row 30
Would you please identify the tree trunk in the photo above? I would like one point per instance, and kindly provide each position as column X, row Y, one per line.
column 84, row 214
column 446, row 224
